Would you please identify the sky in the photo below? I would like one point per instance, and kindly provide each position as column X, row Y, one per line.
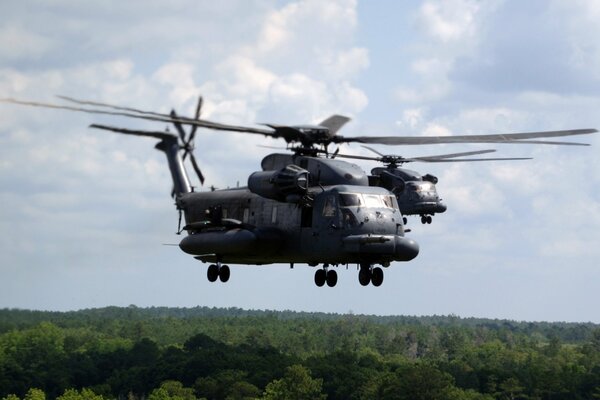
column 86, row 217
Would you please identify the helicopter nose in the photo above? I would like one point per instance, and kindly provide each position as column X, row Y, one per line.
column 440, row 207
column 406, row 249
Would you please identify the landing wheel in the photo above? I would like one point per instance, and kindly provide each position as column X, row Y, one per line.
column 364, row 276
column 377, row 276
column 224, row 273
column 404, row 220
column 320, row 277
column 213, row 273
column 423, row 219
column 331, row 278
column 428, row 219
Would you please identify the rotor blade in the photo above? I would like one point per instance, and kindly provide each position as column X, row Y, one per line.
column 454, row 155
column 196, row 116
column 197, row 168
column 199, row 107
column 178, row 126
column 157, row 135
column 148, row 116
column 477, row 159
column 100, row 104
column 494, row 138
column 431, row 159
column 372, row 149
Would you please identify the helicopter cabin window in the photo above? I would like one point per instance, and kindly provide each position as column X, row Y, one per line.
column 350, row 200
column 246, row 215
column 329, row 207
column 224, row 213
column 274, row 215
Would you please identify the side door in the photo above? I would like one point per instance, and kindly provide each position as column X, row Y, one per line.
column 326, row 230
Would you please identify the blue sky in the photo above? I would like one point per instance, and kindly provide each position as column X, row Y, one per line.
column 85, row 214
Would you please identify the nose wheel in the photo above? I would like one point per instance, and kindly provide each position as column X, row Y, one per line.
column 426, row 219
column 368, row 274
column 218, row 271
column 326, row 275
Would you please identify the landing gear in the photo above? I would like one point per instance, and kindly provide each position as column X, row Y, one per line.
column 218, row 271
column 377, row 277
column 326, row 275
column 426, row 219
column 224, row 273
column 331, row 278
column 405, row 220
column 368, row 274
column 320, row 277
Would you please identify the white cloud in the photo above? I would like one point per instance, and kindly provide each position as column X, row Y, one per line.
column 19, row 43
column 449, row 20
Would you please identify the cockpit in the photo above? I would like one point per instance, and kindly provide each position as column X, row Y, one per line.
column 367, row 200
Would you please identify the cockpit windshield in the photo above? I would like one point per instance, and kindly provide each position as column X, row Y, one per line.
column 350, row 200
column 367, row 200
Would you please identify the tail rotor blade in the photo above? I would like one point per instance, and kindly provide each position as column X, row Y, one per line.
column 178, row 126
column 196, row 116
column 197, row 169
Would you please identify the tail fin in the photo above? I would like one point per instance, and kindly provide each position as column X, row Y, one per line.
column 334, row 123
column 169, row 144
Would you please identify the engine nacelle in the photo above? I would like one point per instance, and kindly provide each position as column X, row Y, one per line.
column 430, row 178
column 288, row 184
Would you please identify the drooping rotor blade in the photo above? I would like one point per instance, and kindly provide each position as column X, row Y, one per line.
column 197, row 169
column 154, row 134
column 148, row 116
column 454, row 155
column 444, row 160
column 372, row 149
column 494, row 138
column 450, row 157
column 439, row 156
column 114, row 107
column 334, row 123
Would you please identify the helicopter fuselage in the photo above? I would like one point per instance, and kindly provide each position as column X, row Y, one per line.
column 343, row 224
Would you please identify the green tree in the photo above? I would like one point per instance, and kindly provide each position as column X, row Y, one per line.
column 35, row 394
column 84, row 394
column 172, row 390
column 418, row 382
column 296, row 384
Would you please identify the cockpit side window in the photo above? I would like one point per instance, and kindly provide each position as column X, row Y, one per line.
column 388, row 201
column 329, row 207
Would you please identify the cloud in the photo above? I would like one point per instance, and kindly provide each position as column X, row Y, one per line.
column 31, row 45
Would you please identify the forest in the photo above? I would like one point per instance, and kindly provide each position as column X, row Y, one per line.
column 214, row 353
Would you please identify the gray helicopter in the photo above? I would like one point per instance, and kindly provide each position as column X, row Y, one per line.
column 299, row 208
column 417, row 193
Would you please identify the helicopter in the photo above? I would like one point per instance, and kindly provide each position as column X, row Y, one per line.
column 302, row 208
column 416, row 193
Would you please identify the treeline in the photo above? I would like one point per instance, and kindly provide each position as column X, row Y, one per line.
column 193, row 353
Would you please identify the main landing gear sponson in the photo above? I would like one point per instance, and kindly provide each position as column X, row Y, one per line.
column 218, row 271
column 369, row 274
column 326, row 275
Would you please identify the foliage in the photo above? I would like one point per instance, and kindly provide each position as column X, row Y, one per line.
column 296, row 384
column 207, row 353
